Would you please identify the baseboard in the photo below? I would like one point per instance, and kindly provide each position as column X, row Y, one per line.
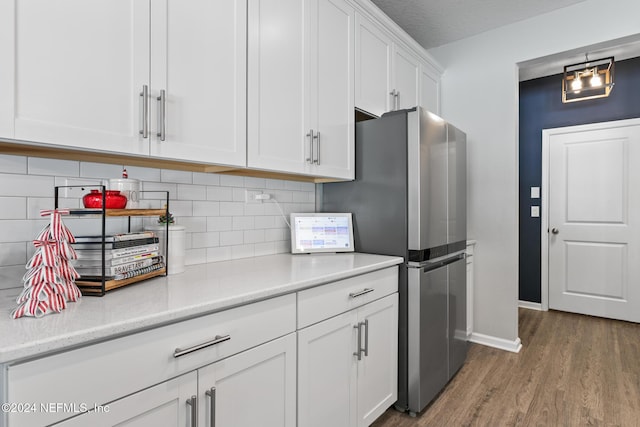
column 530, row 305
column 512, row 346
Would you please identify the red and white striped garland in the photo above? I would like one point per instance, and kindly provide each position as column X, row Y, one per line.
column 50, row 280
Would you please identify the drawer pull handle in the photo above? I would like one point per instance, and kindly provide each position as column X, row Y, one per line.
column 217, row 340
column 211, row 393
column 362, row 292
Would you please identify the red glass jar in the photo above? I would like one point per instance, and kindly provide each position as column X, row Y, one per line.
column 114, row 200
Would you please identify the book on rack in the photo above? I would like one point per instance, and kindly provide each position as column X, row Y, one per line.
column 111, row 272
column 97, row 262
column 84, row 254
column 120, row 244
column 115, row 237
column 91, row 279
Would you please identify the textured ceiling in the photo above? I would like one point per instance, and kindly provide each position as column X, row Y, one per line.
column 433, row 23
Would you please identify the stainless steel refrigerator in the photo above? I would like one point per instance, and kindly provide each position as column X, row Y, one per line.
column 409, row 200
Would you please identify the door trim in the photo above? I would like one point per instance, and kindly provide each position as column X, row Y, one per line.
column 544, row 233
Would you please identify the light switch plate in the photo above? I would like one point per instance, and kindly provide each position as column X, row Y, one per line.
column 535, row 211
column 535, row 192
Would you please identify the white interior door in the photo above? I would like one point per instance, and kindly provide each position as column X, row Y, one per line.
column 594, row 219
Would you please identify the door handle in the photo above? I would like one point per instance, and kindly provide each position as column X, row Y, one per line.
column 555, row 230
column 211, row 393
column 162, row 115
column 311, row 137
column 360, row 293
column 144, row 107
column 366, row 337
column 317, row 138
column 193, row 404
column 359, row 350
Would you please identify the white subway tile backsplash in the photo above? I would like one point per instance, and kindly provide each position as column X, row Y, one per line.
column 219, row 254
column 219, row 224
column 194, row 224
column 26, row 185
column 251, row 182
column 243, row 223
column 13, row 254
column 180, row 177
column 220, row 193
column 37, row 204
column 13, row 164
column 267, row 248
column 231, row 208
column 206, row 178
column 11, row 276
column 254, row 236
column 242, row 251
column 196, row 256
column 206, row 208
column 143, row 174
column 231, row 181
column 42, row 166
column 13, row 208
column 191, row 192
column 228, row 238
column 205, row 240
column 100, row 170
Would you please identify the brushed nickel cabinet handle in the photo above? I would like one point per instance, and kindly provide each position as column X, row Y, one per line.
column 366, row 337
column 211, row 393
column 317, row 138
column 144, row 107
column 360, row 293
column 193, row 404
column 310, row 136
column 358, row 351
column 217, row 340
column 162, row 115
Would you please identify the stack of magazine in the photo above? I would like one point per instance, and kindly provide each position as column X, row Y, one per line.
column 126, row 256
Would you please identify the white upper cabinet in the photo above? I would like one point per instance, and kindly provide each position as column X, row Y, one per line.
column 121, row 76
column 198, row 80
column 429, row 89
column 330, row 105
column 300, row 87
column 373, row 56
column 77, row 71
column 389, row 76
column 406, row 78
column 275, row 110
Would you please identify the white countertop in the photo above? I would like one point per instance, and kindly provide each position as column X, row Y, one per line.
column 200, row 290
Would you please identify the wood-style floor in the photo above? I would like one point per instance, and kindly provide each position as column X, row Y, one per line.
column 573, row 370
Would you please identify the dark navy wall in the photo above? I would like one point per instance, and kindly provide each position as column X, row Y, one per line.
column 541, row 107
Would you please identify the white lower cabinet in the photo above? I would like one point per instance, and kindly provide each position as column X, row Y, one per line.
column 254, row 388
column 347, row 366
column 163, row 405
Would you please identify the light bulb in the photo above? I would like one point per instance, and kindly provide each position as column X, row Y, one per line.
column 596, row 80
column 576, row 84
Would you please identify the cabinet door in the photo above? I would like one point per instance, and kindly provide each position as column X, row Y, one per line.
column 330, row 88
column 254, row 388
column 373, row 55
column 406, row 77
column 327, row 384
column 378, row 369
column 275, row 111
column 429, row 89
column 163, row 405
column 199, row 60
column 78, row 69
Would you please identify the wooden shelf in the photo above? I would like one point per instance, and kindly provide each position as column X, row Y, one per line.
column 89, row 287
column 119, row 212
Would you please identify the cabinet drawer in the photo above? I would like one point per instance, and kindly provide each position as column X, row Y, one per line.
column 102, row 372
column 322, row 302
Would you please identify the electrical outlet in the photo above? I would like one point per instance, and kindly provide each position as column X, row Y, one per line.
column 250, row 196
